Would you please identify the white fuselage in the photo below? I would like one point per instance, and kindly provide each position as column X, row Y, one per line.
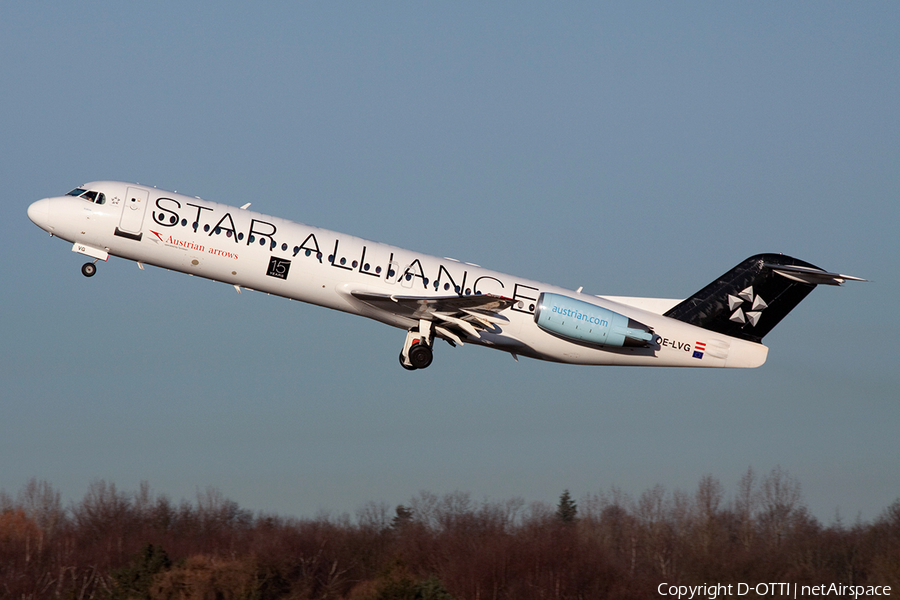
column 293, row 260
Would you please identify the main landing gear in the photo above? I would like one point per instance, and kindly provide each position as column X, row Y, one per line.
column 89, row 269
column 417, row 352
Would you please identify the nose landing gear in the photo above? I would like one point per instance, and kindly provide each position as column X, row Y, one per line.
column 417, row 352
column 89, row 269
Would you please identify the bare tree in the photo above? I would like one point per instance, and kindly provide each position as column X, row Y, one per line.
column 707, row 502
column 657, row 532
column 746, row 504
column 42, row 504
column 780, row 499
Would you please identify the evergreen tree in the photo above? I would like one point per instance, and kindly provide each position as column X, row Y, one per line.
column 404, row 516
column 566, row 510
column 133, row 580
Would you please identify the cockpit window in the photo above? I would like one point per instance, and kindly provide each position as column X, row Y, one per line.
column 90, row 196
column 76, row 192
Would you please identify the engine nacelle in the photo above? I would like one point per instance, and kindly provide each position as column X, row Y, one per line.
column 587, row 323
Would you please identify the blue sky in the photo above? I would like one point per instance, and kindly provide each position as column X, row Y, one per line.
column 633, row 149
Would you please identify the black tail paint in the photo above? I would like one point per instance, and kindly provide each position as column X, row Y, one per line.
column 749, row 300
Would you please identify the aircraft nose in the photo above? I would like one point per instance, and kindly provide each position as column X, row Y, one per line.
column 39, row 213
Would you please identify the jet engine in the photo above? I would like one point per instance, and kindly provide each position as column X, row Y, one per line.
column 586, row 323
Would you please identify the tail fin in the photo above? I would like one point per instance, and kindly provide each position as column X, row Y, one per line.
column 752, row 298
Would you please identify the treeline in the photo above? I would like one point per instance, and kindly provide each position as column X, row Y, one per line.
column 119, row 545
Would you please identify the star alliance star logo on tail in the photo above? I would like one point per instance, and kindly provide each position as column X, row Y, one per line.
column 736, row 304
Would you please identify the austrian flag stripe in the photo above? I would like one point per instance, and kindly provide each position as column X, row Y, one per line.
column 699, row 349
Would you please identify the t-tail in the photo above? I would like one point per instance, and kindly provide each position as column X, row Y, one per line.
column 753, row 297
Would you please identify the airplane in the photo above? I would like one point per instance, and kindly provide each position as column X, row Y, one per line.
column 722, row 325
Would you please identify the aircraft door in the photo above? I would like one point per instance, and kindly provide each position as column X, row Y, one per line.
column 135, row 206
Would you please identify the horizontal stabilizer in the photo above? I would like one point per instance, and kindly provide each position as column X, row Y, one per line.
column 813, row 276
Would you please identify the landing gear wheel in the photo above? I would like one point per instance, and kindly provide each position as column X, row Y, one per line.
column 406, row 366
column 88, row 269
column 420, row 355
column 417, row 352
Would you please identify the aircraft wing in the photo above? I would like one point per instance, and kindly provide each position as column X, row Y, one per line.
column 454, row 317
